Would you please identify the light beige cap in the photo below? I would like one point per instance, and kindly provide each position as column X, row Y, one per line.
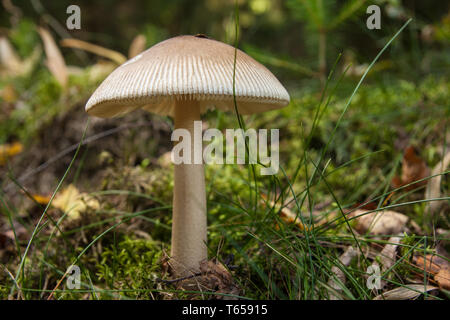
column 187, row 67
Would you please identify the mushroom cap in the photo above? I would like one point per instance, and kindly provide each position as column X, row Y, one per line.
column 187, row 68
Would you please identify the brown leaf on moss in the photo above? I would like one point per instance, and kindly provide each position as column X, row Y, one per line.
column 443, row 278
column 219, row 279
column 219, row 273
column 413, row 168
column 428, row 263
column 437, row 266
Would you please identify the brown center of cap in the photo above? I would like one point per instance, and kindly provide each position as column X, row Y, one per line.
column 201, row 35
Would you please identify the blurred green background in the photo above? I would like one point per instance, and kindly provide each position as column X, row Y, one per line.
column 289, row 29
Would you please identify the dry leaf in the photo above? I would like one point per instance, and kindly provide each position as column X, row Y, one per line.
column 433, row 189
column 9, row 60
column 11, row 64
column 408, row 292
column 443, row 278
column 9, row 150
column 384, row 222
column 286, row 214
column 41, row 199
column 219, row 279
column 290, row 217
column 338, row 278
column 413, row 169
column 387, row 256
column 437, row 266
column 115, row 56
column 428, row 263
column 73, row 202
column 137, row 46
column 55, row 61
column 216, row 268
column 213, row 276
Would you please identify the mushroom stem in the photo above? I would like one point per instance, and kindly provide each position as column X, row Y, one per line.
column 189, row 199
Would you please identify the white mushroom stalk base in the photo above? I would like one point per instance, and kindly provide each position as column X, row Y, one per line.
column 189, row 201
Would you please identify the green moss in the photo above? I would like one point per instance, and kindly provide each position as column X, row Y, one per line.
column 24, row 37
column 131, row 264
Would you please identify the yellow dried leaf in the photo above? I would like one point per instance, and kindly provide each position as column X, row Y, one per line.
column 9, row 94
column 41, row 199
column 9, row 150
column 73, row 202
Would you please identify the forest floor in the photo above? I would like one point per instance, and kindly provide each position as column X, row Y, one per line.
column 361, row 195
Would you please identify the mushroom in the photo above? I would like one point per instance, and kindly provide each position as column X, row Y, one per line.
column 182, row 77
